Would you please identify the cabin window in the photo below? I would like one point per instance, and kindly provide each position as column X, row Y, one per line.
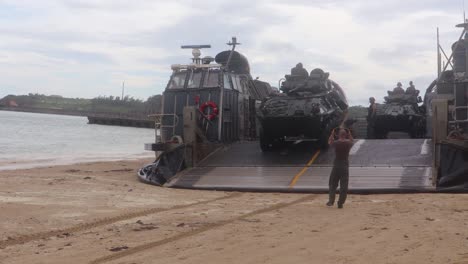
column 211, row 79
column 227, row 82
column 194, row 80
column 234, row 83
column 177, row 80
column 237, row 83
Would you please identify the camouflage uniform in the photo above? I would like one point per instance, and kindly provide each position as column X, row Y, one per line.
column 340, row 172
column 371, row 121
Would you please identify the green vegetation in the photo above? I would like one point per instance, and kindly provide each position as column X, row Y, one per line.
column 49, row 102
column 109, row 104
column 101, row 104
column 357, row 111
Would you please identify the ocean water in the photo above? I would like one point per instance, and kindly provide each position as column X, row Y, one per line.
column 30, row 140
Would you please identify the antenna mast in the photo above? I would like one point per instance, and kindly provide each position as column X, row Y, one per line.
column 123, row 88
column 439, row 62
column 232, row 43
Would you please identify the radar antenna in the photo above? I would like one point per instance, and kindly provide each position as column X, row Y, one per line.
column 196, row 51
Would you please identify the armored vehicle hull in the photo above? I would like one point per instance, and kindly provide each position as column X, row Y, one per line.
column 400, row 114
column 307, row 110
column 275, row 131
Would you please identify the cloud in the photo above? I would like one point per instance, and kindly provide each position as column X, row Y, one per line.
column 76, row 56
column 395, row 56
column 86, row 48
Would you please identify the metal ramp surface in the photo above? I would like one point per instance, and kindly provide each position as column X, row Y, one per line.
column 376, row 166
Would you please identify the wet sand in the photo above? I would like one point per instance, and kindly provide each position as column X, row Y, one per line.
column 100, row 213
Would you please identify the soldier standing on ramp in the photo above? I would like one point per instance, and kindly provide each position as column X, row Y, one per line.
column 340, row 171
column 371, row 111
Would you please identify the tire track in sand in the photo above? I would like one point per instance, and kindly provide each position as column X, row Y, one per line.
column 22, row 239
column 208, row 227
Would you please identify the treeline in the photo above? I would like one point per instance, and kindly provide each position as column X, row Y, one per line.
column 101, row 104
column 357, row 111
column 126, row 104
column 108, row 104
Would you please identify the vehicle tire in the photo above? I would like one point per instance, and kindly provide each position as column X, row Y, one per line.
column 371, row 132
column 380, row 133
column 266, row 144
column 418, row 129
column 323, row 141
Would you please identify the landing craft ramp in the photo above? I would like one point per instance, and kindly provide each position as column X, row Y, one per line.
column 376, row 166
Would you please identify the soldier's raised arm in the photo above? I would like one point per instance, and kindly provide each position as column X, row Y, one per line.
column 350, row 136
column 331, row 138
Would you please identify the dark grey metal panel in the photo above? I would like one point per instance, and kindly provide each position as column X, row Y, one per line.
column 176, row 100
column 405, row 167
column 366, row 179
column 270, row 177
column 180, row 103
column 399, row 152
column 230, row 115
column 386, row 152
column 371, row 177
column 249, row 154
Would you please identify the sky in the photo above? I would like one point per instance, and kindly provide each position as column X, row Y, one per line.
column 85, row 48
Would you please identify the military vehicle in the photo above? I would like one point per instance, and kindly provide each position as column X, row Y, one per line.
column 206, row 104
column 307, row 110
column 400, row 112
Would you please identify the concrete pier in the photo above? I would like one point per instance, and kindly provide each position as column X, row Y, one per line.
column 120, row 120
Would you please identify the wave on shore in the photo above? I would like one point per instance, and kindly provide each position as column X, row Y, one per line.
column 48, row 162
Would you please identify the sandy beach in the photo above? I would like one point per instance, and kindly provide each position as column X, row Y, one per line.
column 100, row 213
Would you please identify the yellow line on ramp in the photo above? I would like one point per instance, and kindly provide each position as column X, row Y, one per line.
column 299, row 174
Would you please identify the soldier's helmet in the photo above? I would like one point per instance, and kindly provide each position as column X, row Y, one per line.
column 399, row 84
column 317, row 71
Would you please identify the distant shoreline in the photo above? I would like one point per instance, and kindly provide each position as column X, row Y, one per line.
column 113, row 119
column 44, row 111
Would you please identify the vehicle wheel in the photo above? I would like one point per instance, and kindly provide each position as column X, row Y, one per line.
column 266, row 143
column 323, row 141
column 413, row 131
column 371, row 133
column 380, row 134
column 418, row 129
column 384, row 135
